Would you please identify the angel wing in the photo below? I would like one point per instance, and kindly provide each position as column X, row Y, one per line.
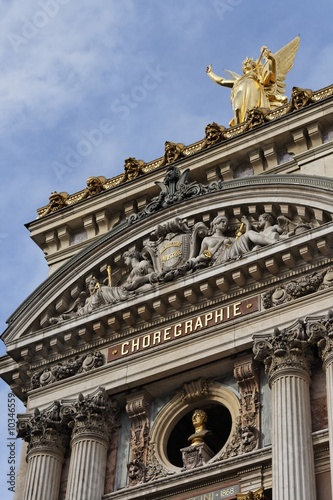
column 284, row 59
column 232, row 74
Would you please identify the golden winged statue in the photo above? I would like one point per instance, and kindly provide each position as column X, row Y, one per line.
column 262, row 83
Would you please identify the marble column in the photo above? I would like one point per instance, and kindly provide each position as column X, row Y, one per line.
column 47, row 436
column 287, row 356
column 93, row 420
column 320, row 331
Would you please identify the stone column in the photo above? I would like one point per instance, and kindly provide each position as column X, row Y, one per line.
column 320, row 331
column 287, row 356
column 93, row 419
column 47, row 436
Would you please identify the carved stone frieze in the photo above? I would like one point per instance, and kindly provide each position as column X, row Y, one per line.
column 176, row 249
column 138, row 410
column 298, row 287
column 285, row 350
column 67, row 369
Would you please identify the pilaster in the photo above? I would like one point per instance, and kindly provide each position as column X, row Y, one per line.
column 138, row 410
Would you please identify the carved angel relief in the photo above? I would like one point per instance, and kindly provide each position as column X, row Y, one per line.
column 175, row 249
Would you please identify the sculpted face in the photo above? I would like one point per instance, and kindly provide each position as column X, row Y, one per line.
column 94, row 185
column 199, row 417
column 220, row 223
column 131, row 168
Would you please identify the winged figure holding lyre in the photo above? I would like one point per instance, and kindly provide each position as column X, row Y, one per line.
column 262, row 83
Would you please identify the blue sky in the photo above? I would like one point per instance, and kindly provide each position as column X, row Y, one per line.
column 69, row 65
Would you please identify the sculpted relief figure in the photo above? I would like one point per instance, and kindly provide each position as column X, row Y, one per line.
column 176, row 249
column 100, row 294
column 217, row 248
column 262, row 83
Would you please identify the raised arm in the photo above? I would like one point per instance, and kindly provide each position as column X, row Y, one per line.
column 218, row 79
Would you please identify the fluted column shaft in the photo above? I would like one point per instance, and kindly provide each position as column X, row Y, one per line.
column 328, row 366
column 320, row 332
column 87, row 467
column 292, row 450
column 43, row 475
column 287, row 356
column 93, row 420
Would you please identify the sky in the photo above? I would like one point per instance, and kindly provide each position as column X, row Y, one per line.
column 66, row 66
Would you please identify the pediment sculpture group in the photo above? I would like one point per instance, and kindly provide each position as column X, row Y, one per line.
column 175, row 250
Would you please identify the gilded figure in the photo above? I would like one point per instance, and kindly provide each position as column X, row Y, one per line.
column 95, row 185
column 132, row 169
column 262, row 83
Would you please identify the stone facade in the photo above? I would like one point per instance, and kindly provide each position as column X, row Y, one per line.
column 206, row 290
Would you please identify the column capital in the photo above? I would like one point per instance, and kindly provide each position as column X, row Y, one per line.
column 285, row 351
column 94, row 414
column 320, row 332
column 44, row 430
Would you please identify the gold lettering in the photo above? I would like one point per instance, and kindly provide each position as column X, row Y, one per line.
column 228, row 312
column 219, row 316
column 198, row 323
column 177, row 330
column 123, row 350
column 172, row 255
column 237, row 311
column 146, row 341
column 135, row 344
column 170, row 245
column 188, row 326
column 157, row 338
column 208, row 317
column 167, row 333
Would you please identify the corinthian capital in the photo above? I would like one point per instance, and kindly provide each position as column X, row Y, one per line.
column 320, row 332
column 285, row 351
column 94, row 413
column 44, row 429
